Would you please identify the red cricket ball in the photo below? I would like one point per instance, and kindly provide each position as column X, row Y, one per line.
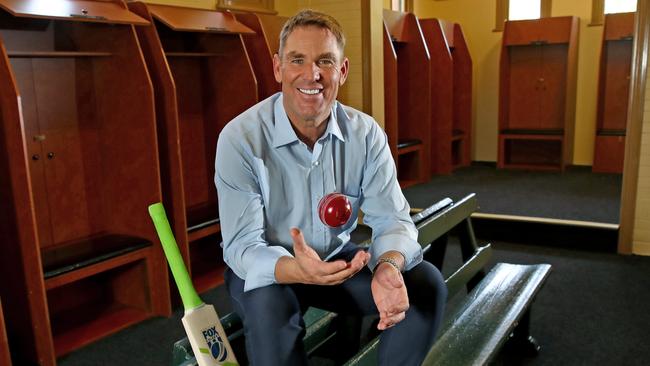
column 334, row 210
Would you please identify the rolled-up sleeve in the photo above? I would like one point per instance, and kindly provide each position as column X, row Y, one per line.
column 384, row 206
column 245, row 249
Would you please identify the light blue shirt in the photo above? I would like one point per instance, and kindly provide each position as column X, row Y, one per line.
column 269, row 181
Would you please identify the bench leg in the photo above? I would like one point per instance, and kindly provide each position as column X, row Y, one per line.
column 521, row 343
column 468, row 247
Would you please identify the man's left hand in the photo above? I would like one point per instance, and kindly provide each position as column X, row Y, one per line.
column 389, row 293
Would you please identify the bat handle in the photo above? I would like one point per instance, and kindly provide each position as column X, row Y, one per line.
column 190, row 298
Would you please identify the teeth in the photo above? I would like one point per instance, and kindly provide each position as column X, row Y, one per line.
column 310, row 91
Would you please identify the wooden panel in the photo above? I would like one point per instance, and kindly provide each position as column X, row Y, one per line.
column 552, row 87
column 616, row 86
column 23, row 296
column 196, row 20
column 462, row 108
column 609, row 153
column 261, row 47
column 91, row 106
column 412, row 94
column 520, row 32
column 167, row 128
column 442, row 92
column 525, row 72
column 5, row 357
column 203, row 79
column 77, row 10
column 71, row 140
column 261, row 6
column 537, row 89
column 390, row 93
column 556, row 29
column 619, row 26
column 544, row 30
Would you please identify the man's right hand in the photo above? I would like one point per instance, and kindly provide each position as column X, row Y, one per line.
column 307, row 267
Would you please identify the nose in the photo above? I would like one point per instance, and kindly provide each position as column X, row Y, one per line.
column 313, row 72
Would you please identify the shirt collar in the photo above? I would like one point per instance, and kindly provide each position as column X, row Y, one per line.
column 284, row 133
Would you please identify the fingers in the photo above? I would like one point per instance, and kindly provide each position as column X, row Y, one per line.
column 298, row 240
column 389, row 321
column 360, row 259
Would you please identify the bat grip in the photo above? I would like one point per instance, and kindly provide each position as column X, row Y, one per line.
column 190, row 298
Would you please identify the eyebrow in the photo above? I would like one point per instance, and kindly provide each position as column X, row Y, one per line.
column 295, row 54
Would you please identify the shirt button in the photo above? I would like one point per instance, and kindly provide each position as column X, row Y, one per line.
column 316, row 163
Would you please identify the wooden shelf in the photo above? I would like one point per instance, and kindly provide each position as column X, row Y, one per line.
column 613, row 92
column 87, row 324
column 537, row 93
column 81, row 161
column 407, row 100
column 195, row 97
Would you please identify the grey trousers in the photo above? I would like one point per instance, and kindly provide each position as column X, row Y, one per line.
column 274, row 327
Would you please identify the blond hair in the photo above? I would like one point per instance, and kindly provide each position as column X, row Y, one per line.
column 310, row 17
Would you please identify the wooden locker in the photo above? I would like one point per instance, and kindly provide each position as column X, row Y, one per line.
column 203, row 79
column 537, row 93
column 79, row 145
column 613, row 92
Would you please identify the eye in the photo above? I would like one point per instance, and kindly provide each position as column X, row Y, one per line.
column 326, row 62
column 297, row 61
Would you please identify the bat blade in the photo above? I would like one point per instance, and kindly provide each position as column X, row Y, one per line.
column 207, row 337
column 202, row 325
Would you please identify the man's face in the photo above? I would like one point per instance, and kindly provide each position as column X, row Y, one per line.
column 311, row 69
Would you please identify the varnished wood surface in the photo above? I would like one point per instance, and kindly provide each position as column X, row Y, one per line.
column 204, row 79
column 24, row 296
column 197, row 20
column 413, row 91
column 5, row 356
column 462, row 107
column 261, row 47
column 90, row 146
column 613, row 91
column 77, row 10
column 619, row 26
column 608, row 154
column 441, row 69
column 537, row 87
column 543, row 30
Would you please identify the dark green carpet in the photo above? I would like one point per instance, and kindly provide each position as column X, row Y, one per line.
column 576, row 194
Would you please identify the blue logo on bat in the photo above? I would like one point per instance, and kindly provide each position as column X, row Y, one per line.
column 215, row 343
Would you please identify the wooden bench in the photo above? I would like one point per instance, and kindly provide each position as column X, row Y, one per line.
column 513, row 285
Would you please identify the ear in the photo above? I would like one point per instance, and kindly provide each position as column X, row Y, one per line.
column 345, row 66
column 276, row 68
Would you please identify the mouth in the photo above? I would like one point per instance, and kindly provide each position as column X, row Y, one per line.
column 310, row 91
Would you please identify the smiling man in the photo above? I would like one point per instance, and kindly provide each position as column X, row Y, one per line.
column 274, row 164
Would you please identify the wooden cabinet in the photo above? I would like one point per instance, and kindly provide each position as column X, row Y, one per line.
column 451, row 95
column 537, row 93
column 261, row 47
column 5, row 356
column 203, row 79
column 79, row 166
column 613, row 92
column 407, row 96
